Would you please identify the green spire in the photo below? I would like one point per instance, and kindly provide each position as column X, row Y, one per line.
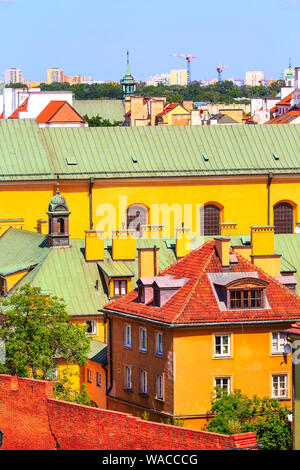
column 128, row 78
column 128, row 82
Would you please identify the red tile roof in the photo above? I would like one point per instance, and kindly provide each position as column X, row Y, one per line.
column 286, row 118
column 52, row 108
column 23, row 107
column 195, row 302
column 168, row 108
column 286, row 101
column 2, row 115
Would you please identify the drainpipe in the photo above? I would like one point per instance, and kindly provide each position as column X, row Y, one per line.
column 106, row 318
column 270, row 176
column 91, row 203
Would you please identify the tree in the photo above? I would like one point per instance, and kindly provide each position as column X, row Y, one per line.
column 236, row 413
column 36, row 330
column 63, row 390
column 98, row 121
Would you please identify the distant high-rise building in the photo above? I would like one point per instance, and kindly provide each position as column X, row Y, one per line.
column 55, row 75
column 254, row 78
column 13, row 75
column 158, row 79
column 179, row 77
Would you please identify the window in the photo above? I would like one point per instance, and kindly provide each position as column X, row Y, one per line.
column 143, row 339
column 143, row 382
column 246, row 298
column 120, row 287
column 128, row 378
column 89, row 376
column 278, row 342
column 61, row 225
column 137, row 215
column 284, row 218
column 91, row 327
column 127, row 338
column 159, row 387
column 98, row 379
column 223, row 383
column 212, row 219
column 222, row 345
column 279, row 386
column 159, row 344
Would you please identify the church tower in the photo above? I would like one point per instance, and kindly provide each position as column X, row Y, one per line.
column 127, row 82
column 58, row 213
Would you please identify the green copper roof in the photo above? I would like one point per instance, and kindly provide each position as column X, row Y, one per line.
column 21, row 249
column 98, row 352
column 27, row 152
column 113, row 110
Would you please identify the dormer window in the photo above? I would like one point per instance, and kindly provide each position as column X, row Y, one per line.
column 252, row 298
column 239, row 291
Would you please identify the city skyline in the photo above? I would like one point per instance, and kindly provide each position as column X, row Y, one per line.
column 238, row 36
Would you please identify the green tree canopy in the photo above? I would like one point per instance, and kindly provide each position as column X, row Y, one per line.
column 98, row 121
column 37, row 330
column 236, row 413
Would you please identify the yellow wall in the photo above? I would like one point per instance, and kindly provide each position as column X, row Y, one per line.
column 168, row 117
column 100, row 336
column 237, row 196
column 250, row 367
column 13, row 278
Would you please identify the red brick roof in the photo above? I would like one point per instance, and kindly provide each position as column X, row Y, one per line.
column 2, row 115
column 286, row 118
column 195, row 302
column 286, row 101
column 53, row 107
column 168, row 108
column 23, row 107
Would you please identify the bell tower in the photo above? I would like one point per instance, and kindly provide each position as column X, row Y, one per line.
column 127, row 82
column 58, row 213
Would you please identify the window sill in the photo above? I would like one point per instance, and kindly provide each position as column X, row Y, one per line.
column 128, row 389
column 144, row 394
column 161, row 400
column 143, row 351
column 159, row 354
column 127, row 346
column 222, row 356
column 281, row 398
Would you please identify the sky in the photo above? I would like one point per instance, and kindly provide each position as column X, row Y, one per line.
column 91, row 37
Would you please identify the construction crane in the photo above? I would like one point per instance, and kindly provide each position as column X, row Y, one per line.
column 220, row 69
column 188, row 58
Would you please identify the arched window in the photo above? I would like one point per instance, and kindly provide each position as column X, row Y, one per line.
column 137, row 215
column 61, row 225
column 284, row 218
column 212, row 219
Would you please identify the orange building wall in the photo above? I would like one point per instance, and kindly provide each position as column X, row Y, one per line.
column 250, row 366
column 97, row 394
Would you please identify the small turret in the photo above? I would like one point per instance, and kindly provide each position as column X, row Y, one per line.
column 127, row 82
column 58, row 213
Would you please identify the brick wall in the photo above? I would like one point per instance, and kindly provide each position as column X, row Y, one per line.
column 32, row 419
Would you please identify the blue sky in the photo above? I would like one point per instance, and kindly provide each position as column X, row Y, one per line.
column 91, row 37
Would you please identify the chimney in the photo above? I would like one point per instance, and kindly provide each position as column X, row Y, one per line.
column 222, row 249
column 151, row 231
column 123, row 245
column 228, row 228
column 42, row 226
column 263, row 256
column 7, row 223
column 148, row 262
column 296, row 96
column 156, row 107
column 137, row 108
column 94, row 245
column 183, row 243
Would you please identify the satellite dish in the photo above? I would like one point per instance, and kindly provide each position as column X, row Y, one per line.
column 287, row 348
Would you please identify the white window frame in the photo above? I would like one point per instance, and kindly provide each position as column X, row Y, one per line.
column 98, row 379
column 128, row 377
column 143, row 339
column 143, row 382
column 277, row 378
column 222, row 354
column 120, row 287
column 159, row 350
column 221, row 386
column 128, row 336
column 93, row 325
column 89, row 376
column 159, row 387
column 280, row 341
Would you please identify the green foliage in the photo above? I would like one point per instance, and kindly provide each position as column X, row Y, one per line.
column 36, row 329
column 62, row 389
column 98, row 121
column 173, row 421
column 145, row 415
column 16, row 85
column 236, row 413
column 220, row 92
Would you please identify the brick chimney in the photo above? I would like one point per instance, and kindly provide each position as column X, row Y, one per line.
column 94, row 245
column 123, row 244
column 148, row 262
column 222, row 248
